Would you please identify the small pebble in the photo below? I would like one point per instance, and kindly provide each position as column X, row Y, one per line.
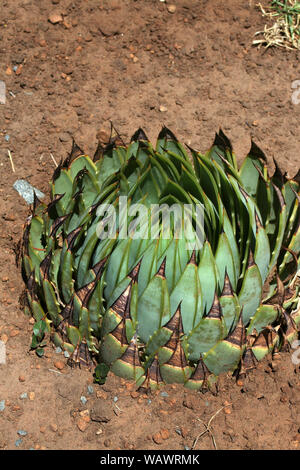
column 2, row 405
column 165, row 433
column 178, row 431
column 31, row 396
column 53, row 427
column 171, row 8
column 66, row 354
column 18, row 442
column 157, row 438
column 163, row 109
column 59, row 365
column 55, row 18
column 82, row 424
column 187, row 448
column 4, row 338
column 7, row 137
column 58, row 350
column 116, row 399
column 90, row 390
column 21, row 378
column 83, row 400
column 164, row 394
column 23, row 396
column 22, row 433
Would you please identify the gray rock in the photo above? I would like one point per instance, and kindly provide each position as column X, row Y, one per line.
column 102, row 412
column 27, row 191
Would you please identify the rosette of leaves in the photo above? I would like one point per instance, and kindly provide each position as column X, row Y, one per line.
column 151, row 309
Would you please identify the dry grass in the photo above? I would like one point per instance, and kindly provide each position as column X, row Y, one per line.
column 285, row 30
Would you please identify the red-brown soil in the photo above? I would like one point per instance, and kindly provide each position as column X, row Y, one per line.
column 121, row 60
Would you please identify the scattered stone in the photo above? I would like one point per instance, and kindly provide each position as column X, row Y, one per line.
column 164, row 394
column 23, row 396
column 31, row 396
column 18, row 442
column 85, row 414
column 8, row 71
column 4, row 338
column 66, row 354
column 102, row 394
column 58, row 350
column 134, row 394
column 42, row 429
column 171, row 8
column 59, row 365
column 14, row 333
column 21, row 378
column 116, row 399
column 102, row 412
column 18, row 70
column 163, row 109
column 165, row 433
column 83, row 400
column 2, row 405
column 22, row 433
column 90, row 390
column 157, row 438
column 53, row 427
column 55, row 17
column 82, row 424
column 27, row 191
column 184, row 431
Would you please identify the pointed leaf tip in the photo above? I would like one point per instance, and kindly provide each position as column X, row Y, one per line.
column 256, row 152
column 139, row 135
column 166, row 133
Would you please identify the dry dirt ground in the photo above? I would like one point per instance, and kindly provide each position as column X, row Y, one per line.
column 138, row 64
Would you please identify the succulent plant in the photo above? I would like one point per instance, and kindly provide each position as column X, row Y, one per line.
column 158, row 309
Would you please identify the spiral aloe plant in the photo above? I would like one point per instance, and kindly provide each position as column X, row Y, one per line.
column 158, row 309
